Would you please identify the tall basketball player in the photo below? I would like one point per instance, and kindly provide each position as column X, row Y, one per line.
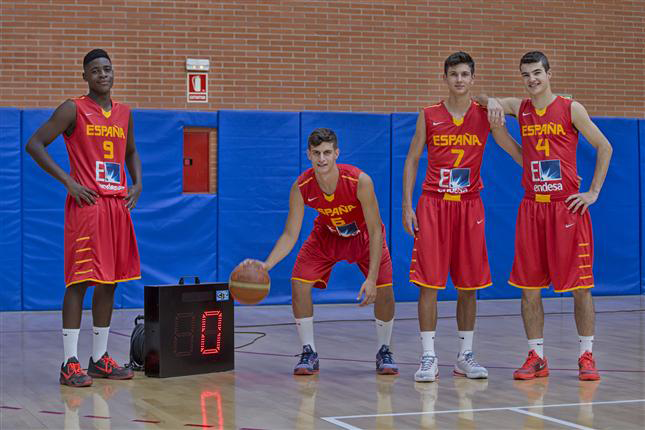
column 100, row 245
column 448, row 225
column 553, row 238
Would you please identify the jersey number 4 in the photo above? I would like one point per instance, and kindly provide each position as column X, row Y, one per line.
column 543, row 145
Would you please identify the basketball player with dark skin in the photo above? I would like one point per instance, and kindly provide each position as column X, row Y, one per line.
column 99, row 75
column 550, row 126
column 377, row 287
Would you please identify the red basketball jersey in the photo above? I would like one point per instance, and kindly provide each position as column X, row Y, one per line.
column 549, row 142
column 455, row 149
column 340, row 212
column 97, row 147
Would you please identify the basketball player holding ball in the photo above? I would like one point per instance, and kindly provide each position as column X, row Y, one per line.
column 348, row 227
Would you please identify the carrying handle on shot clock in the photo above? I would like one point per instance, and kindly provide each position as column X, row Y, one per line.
column 181, row 279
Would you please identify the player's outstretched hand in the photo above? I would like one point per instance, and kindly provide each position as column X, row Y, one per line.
column 410, row 221
column 495, row 112
column 369, row 289
column 133, row 196
column 81, row 194
column 581, row 200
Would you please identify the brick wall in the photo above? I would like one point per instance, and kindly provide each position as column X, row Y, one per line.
column 381, row 56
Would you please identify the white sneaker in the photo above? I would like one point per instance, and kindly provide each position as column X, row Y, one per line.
column 428, row 369
column 468, row 367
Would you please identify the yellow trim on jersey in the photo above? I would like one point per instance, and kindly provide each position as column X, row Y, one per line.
column 434, row 105
column 457, row 122
column 82, row 238
column 574, row 288
column 82, row 261
column 540, row 112
column 384, row 285
column 414, row 260
column 527, row 287
column 452, row 197
column 584, row 266
column 106, row 114
column 584, row 255
column 100, row 281
column 583, row 244
column 421, row 284
column 474, row 288
column 307, row 281
column 329, row 198
column 300, row 185
column 83, row 249
column 586, row 277
column 543, row 198
column 349, row 177
column 83, row 271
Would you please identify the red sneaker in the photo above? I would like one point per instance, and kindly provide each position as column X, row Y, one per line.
column 587, row 366
column 533, row 367
column 71, row 374
column 106, row 367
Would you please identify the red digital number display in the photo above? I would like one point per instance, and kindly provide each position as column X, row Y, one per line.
column 213, row 336
column 210, row 339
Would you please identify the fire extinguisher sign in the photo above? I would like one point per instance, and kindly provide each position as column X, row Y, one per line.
column 197, row 87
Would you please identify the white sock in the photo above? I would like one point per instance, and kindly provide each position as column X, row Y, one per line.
column 537, row 345
column 305, row 328
column 465, row 341
column 70, row 342
column 586, row 343
column 383, row 332
column 427, row 340
column 99, row 342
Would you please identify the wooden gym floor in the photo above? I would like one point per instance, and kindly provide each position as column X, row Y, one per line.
column 263, row 394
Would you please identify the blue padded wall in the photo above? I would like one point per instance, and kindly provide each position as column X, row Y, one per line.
column 10, row 211
column 43, row 201
column 258, row 162
column 364, row 141
column 501, row 195
column 641, row 154
column 615, row 216
column 176, row 233
column 167, row 223
column 403, row 127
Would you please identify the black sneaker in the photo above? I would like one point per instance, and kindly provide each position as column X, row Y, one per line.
column 385, row 364
column 71, row 374
column 106, row 367
column 308, row 364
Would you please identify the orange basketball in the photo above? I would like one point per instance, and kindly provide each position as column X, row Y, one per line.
column 249, row 282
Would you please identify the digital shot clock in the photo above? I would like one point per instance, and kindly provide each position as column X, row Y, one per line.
column 188, row 329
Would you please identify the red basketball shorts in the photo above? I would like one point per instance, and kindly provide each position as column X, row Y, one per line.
column 100, row 245
column 552, row 246
column 451, row 239
column 323, row 249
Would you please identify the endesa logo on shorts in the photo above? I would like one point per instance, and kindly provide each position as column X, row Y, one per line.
column 546, row 171
column 457, row 180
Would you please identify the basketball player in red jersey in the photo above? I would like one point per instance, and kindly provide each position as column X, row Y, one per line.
column 553, row 238
column 100, row 245
column 448, row 226
column 348, row 227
